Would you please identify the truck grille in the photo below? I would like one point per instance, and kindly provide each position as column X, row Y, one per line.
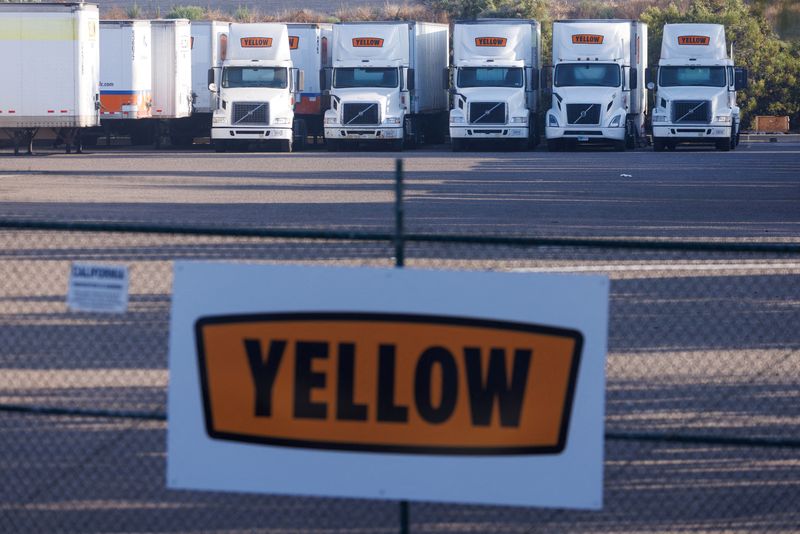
column 360, row 113
column 691, row 111
column 487, row 113
column 251, row 113
column 583, row 113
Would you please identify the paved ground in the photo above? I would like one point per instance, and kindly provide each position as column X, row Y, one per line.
column 701, row 345
column 750, row 193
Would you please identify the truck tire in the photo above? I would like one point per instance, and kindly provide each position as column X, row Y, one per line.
column 300, row 134
column 620, row 146
column 630, row 134
column 659, row 145
column 396, row 145
column 555, row 145
column 724, row 145
column 220, row 146
column 333, row 145
column 457, row 144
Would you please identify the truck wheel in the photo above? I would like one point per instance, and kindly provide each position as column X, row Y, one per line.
column 333, row 145
column 724, row 145
column 396, row 145
column 300, row 134
column 659, row 144
column 457, row 144
column 220, row 146
column 630, row 134
column 620, row 146
column 554, row 145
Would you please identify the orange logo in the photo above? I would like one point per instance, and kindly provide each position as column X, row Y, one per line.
column 294, row 42
column 697, row 40
column 585, row 38
column 388, row 383
column 256, row 42
column 499, row 42
column 367, row 42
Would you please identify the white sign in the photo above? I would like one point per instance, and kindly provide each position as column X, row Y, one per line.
column 98, row 288
column 387, row 383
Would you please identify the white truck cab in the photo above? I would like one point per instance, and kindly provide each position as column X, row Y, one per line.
column 696, row 84
column 598, row 90
column 387, row 83
column 257, row 88
column 495, row 77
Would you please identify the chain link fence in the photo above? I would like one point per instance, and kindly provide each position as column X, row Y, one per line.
column 703, row 385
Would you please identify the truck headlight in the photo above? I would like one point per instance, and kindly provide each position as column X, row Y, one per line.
column 456, row 120
column 280, row 120
column 218, row 119
column 615, row 122
column 659, row 118
column 552, row 121
column 722, row 118
column 519, row 120
column 392, row 120
column 330, row 120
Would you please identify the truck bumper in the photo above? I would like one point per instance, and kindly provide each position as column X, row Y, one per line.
column 697, row 133
column 494, row 132
column 586, row 134
column 364, row 134
column 233, row 133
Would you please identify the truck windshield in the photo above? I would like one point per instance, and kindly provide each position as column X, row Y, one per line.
column 344, row 78
column 271, row 77
column 692, row 76
column 587, row 75
column 490, row 77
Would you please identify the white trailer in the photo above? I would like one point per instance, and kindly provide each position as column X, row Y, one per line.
column 310, row 46
column 125, row 70
column 495, row 77
column 172, row 81
column 696, row 86
column 257, row 89
column 52, row 54
column 388, row 82
column 598, row 89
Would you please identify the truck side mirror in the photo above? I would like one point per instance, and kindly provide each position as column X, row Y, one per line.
column 212, row 87
column 648, row 77
column 325, row 78
column 446, row 79
column 410, row 86
column 301, row 80
column 546, row 79
column 634, row 78
column 741, row 78
column 210, row 76
column 651, row 86
column 534, row 80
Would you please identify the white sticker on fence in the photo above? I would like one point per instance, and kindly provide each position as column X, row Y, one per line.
column 98, row 288
column 388, row 383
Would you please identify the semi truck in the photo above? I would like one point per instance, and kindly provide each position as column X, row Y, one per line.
column 387, row 83
column 696, row 84
column 310, row 48
column 495, row 82
column 598, row 89
column 257, row 89
column 51, row 53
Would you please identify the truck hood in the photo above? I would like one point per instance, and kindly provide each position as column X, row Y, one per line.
column 717, row 95
column 252, row 94
column 588, row 95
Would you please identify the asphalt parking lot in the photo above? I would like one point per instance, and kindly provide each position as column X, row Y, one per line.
column 703, row 347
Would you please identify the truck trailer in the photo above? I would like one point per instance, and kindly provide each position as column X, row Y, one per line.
column 388, row 83
column 598, row 89
column 52, row 54
column 495, row 82
column 172, row 81
column 310, row 47
column 257, row 89
column 209, row 48
column 696, row 84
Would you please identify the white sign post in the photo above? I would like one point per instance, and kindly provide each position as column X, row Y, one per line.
column 397, row 384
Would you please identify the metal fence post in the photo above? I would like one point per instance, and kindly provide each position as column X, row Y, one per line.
column 399, row 241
